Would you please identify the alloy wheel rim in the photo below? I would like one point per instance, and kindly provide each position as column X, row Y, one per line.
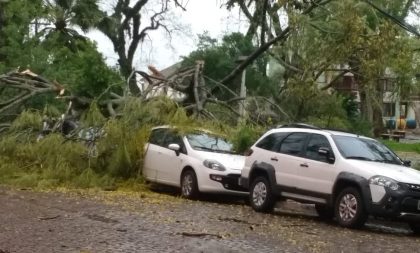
column 259, row 194
column 348, row 207
column 187, row 185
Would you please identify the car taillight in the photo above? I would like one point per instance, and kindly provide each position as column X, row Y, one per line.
column 248, row 152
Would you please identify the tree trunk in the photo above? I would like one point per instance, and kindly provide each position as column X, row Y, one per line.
column 377, row 109
column 125, row 69
column 2, row 25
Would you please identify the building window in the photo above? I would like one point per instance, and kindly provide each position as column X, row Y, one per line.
column 389, row 110
column 389, row 85
column 403, row 110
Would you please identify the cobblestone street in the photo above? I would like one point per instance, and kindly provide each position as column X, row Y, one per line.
column 161, row 222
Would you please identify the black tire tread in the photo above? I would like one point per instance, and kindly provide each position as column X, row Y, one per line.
column 195, row 191
column 270, row 201
column 361, row 215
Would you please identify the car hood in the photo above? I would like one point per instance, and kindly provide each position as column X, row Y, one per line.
column 397, row 172
column 230, row 161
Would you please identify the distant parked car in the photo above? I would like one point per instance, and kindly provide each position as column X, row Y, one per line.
column 345, row 175
column 196, row 162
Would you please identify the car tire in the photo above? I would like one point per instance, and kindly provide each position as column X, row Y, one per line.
column 415, row 227
column 324, row 212
column 261, row 196
column 189, row 185
column 349, row 208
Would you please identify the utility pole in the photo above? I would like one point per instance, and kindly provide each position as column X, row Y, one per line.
column 242, row 92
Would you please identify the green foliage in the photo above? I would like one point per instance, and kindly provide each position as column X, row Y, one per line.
column 402, row 147
column 64, row 16
column 361, row 126
column 84, row 72
column 51, row 162
column 244, row 136
column 27, row 121
column 15, row 18
column 93, row 117
column 121, row 151
column 221, row 57
column 341, row 35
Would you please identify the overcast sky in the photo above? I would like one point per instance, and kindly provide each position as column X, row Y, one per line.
column 161, row 51
column 201, row 15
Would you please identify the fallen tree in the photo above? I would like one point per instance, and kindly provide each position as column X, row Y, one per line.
column 18, row 87
column 189, row 87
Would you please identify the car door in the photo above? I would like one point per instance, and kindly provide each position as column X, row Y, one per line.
column 319, row 172
column 152, row 157
column 289, row 160
column 266, row 150
column 171, row 162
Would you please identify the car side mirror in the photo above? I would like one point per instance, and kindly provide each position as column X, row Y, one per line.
column 407, row 163
column 326, row 152
column 175, row 147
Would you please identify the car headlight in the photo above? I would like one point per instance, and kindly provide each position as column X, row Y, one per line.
column 385, row 182
column 214, row 165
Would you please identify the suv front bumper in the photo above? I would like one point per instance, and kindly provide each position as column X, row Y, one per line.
column 403, row 204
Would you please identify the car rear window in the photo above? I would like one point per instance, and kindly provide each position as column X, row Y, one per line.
column 293, row 144
column 270, row 142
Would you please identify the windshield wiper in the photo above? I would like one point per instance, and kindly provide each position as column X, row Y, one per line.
column 359, row 158
column 215, row 150
column 225, row 151
column 204, row 148
column 370, row 160
column 387, row 161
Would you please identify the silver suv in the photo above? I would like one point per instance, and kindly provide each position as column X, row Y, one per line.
column 346, row 176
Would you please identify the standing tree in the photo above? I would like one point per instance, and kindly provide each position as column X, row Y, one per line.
column 320, row 38
column 126, row 27
column 61, row 18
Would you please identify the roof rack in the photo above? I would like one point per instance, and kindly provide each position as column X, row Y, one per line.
column 300, row 125
column 340, row 130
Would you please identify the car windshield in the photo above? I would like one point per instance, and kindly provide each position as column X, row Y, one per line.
column 365, row 149
column 208, row 142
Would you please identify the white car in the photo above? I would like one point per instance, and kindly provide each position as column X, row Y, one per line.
column 345, row 175
column 195, row 162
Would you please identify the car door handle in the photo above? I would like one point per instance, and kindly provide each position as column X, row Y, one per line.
column 274, row 159
column 304, row 165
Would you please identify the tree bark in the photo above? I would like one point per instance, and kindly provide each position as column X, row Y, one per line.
column 126, row 31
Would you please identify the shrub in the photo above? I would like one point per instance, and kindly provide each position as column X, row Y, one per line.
column 27, row 121
column 244, row 136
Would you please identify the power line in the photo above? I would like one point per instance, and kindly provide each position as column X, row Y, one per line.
column 394, row 19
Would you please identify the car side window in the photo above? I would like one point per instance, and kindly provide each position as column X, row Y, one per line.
column 172, row 137
column 317, row 141
column 157, row 136
column 293, row 144
column 271, row 141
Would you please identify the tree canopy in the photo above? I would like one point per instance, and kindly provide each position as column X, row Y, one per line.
column 293, row 52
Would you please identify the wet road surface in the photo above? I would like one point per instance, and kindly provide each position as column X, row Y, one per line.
column 89, row 221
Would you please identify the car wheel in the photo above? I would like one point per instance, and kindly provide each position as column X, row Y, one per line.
column 260, row 196
column 349, row 208
column 189, row 185
column 324, row 212
column 415, row 227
